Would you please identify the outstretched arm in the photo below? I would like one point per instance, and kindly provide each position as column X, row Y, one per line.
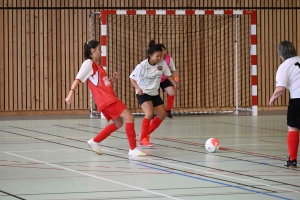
column 277, row 93
column 72, row 90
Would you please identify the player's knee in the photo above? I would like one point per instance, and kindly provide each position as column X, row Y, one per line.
column 130, row 118
column 149, row 114
column 162, row 115
column 293, row 129
column 119, row 124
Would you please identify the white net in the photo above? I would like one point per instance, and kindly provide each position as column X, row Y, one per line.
column 207, row 50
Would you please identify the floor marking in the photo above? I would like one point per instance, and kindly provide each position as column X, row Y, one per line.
column 213, row 181
column 145, row 159
column 226, row 176
column 287, row 177
column 97, row 177
column 30, row 151
column 203, row 171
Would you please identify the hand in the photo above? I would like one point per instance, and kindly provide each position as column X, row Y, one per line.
column 116, row 75
column 140, row 91
column 271, row 101
column 68, row 99
column 176, row 86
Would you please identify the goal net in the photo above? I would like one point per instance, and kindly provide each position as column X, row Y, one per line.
column 214, row 54
column 95, row 34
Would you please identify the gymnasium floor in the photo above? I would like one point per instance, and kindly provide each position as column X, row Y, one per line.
column 48, row 158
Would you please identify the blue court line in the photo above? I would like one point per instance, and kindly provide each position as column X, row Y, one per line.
column 216, row 182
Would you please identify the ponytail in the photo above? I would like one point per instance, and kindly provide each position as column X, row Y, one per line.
column 153, row 47
column 88, row 47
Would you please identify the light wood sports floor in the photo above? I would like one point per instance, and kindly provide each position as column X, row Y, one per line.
column 47, row 157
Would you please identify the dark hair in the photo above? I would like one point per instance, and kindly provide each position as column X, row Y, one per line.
column 153, row 47
column 163, row 46
column 151, row 43
column 88, row 47
column 286, row 50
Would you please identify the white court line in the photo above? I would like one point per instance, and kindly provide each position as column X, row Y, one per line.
column 178, row 166
column 97, row 177
column 231, row 177
column 239, row 179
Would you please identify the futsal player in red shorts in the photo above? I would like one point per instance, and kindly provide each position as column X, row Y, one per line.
column 107, row 102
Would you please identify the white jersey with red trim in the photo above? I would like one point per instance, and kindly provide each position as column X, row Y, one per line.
column 288, row 75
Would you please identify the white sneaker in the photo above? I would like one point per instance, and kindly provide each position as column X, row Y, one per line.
column 136, row 152
column 94, row 146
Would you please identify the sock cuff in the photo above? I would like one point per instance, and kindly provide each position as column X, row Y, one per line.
column 146, row 120
column 113, row 126
column 293, row 132
column 158, row 119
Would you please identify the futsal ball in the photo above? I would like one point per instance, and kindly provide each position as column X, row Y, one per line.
column 212, row 145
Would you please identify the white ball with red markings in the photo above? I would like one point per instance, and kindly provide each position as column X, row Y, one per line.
column 212, row 145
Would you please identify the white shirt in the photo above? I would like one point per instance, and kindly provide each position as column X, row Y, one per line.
column 148, row 76
column 85, row 71
column 288, row 75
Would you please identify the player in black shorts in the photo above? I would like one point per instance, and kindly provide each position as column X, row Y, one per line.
column 288, row 76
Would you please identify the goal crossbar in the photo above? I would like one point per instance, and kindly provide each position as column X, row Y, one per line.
column 253, row 52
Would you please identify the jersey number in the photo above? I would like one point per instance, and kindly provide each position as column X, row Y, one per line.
column 297, row 64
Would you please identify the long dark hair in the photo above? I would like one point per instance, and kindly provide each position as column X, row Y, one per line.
column 88, row 47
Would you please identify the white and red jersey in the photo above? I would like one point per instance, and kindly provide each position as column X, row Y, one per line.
column 98, row 82
column 148, row 76
column 288, row 75
column 170, row 64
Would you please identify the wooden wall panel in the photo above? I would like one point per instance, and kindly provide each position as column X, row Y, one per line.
column 2, row 62
column 42, row 46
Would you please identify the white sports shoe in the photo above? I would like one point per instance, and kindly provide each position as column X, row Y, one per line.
column 136, row 152
column 94, row 146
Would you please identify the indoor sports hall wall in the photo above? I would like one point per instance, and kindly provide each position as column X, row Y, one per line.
column 42, row 41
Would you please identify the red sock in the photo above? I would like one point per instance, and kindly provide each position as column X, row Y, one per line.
column 131, row 135
column 145, row 128
column 154, row 124
column 105, row 132
column 293, row 143
column 170, row 101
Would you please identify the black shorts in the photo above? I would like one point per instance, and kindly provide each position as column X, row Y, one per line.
column 165, row 84
column 156, row 100
column 293, row 114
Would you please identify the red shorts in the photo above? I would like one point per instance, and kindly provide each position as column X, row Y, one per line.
column 113, row 110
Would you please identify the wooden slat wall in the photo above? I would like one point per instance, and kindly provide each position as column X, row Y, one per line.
column 41, row 46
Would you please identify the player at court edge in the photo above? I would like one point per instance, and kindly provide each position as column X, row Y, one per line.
column 288, row 76
column 107, row 102
column 146, row 79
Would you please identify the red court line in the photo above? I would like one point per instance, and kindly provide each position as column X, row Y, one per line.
column 83, row 165
column 125, row 172
column 222, row 148
column 19, row 166
column 103, row 166
column 272, row 142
